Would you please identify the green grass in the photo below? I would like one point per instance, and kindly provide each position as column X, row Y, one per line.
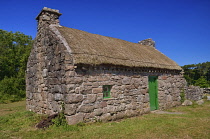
column 16, row 122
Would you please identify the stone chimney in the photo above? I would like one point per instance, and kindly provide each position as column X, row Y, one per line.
column 47, row 17
column 148, row 42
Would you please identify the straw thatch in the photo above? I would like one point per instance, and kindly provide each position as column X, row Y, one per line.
column 95, row 49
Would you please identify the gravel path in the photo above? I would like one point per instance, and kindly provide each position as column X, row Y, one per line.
column 165, row 112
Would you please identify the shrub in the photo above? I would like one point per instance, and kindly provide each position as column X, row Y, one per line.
column 11, row 89
column 182, row 95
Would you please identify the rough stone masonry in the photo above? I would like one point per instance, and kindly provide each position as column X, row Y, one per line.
column 52, row 78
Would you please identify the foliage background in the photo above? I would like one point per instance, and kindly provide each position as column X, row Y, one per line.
column 198, row 74
column 14, row 51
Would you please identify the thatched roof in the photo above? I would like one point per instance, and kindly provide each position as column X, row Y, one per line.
column 95, row 49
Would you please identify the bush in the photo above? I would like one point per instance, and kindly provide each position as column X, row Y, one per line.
column 182, row 95
column 11, row 89
column 61, row 119
column 202, row 82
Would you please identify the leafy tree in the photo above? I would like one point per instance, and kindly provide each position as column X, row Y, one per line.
column 202, row 82
column 11, row 89
column 197, row 73
column 14, row 51
column 208, row 74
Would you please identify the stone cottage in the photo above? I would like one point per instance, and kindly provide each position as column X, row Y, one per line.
column 94, row 77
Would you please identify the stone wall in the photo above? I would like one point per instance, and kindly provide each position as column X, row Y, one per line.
column 169, row 88
column 194, row 93
column 129, row 94
column 206, row 90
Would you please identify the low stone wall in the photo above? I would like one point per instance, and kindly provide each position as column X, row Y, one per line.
column 194, row 93
column 169, row 89
column 206, row 90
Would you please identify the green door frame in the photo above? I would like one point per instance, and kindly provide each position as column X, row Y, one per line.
column 153, row 93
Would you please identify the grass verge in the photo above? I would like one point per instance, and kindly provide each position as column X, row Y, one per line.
column 16, row 122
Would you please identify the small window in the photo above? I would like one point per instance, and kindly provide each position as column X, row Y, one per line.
column 106, row 91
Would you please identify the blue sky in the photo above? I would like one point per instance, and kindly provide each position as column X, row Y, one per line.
column 180, row 28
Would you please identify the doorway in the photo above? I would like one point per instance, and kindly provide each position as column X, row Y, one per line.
column 153, row 92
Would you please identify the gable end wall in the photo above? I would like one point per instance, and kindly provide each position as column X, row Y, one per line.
column 47, row 66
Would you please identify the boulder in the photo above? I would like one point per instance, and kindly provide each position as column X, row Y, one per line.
column 187, row 103
column 200, row 102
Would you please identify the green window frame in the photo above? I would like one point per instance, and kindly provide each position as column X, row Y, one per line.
column 107, row 91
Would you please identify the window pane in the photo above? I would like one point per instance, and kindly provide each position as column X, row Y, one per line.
column 106, row 94
column 106, row 88
column 106, row 91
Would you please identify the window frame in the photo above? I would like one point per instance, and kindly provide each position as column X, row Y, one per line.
column 107, row 91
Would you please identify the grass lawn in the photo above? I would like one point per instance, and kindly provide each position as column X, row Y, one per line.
column 16, row 122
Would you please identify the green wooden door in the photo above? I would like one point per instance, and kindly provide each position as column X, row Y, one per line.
column 153, row 92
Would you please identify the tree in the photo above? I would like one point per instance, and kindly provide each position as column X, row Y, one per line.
column 14, row 51
column 202, row 82
column 208, row 74
column 196, row 73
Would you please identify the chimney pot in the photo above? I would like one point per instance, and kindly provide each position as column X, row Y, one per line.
column 147, row 42
column 47, row 17
column 48, row 10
